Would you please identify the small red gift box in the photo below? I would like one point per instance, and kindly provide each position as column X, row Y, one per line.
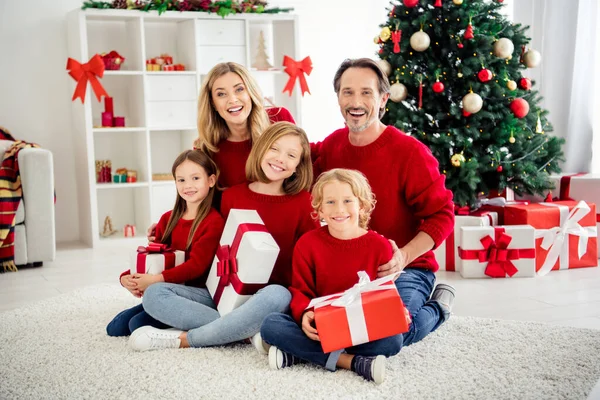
column 566, row 233
column 155, row 258
column 129, row 230
column 366, row 312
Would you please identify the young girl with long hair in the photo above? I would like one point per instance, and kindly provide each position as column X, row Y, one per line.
column 326, row 261
column 192, row 226
column 280, row 173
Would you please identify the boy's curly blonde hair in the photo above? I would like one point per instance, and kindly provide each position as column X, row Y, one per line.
column 360, row 188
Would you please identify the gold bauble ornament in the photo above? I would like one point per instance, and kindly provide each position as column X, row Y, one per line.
column 511, row 85
column 457, row 160
column 385, row 66
column 385, row 34
column 472, row 103
column 503, row 48
column 532, row 58
column 398, row 92
column 420, row 41
column 512, row 139
column 460, row 75
column 457, row 2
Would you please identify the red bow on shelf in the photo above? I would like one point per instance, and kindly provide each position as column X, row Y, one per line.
column 82, row 73
column 297, row 69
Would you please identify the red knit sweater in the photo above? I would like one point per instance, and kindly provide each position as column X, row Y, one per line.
column 286, row 218
column 325, row 265
column 194, row 271
column 231, row 157
column 404, row 176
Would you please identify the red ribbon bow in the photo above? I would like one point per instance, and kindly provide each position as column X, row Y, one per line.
column 497, row 255
column 464, row 210
column 154, row 248
column 84, row 72
column 297, row 69
column 227, row 264
column 396, row 35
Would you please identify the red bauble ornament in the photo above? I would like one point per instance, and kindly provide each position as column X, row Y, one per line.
column 485, row 75
column 525, row 83
column 466, row 113
column 381, row 50
column 438, row 3
column 500, row 1
column 438, row 87
column 469, row 33
column 410, row 3
column 499, row 169
column 519, row 107
column 460, row 45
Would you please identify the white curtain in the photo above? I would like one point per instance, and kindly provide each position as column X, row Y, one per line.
column 567, row 35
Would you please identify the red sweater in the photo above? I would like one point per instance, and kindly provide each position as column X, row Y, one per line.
column 231, row 157
column 408, row 186
column 324, row 265
column 286, row 218
column 194, row 271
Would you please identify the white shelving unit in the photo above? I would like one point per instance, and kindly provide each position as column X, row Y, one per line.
column 160, row 108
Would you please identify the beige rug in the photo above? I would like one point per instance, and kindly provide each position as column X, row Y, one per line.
column 57, row 349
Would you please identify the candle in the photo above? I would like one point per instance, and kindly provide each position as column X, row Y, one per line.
column 108, row 104
column 107, row 119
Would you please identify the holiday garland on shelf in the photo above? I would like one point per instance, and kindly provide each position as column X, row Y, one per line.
column 222, row 8
column 458, row 70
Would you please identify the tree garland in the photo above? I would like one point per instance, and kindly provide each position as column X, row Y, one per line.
column 222, row 8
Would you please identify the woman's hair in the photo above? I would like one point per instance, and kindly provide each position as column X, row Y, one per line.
column 360, row 188
column 302, row 178
column 209, row 166
column 212, row 128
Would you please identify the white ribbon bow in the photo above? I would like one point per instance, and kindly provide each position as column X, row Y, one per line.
column 556, row 239
column 351, row 300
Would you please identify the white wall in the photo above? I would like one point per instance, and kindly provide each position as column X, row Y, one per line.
column 35, row 91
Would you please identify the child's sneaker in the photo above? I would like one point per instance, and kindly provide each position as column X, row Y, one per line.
column 279, row 359
column 444, row 295
column 259, row 345
column 370, row 368
column 151, row 338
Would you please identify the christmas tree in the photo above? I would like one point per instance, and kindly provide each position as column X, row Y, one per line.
column 459, row 85
column 262, row 59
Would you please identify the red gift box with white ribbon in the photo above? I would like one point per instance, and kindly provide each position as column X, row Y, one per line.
column 368, row 311
column 497, row 251
column 566, row 233
column 155, row 258
column 244, row 261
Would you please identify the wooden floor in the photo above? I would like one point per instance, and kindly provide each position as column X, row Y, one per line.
column 569, row 298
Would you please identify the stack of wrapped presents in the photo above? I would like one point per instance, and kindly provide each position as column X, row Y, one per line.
column 525, row 238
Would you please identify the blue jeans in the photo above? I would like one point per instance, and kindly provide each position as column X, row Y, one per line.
column 414, row 287
column 129, row 320
column 192, row 309
column 282, row 331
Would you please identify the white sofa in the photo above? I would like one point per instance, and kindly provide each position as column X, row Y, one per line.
column 35, row 237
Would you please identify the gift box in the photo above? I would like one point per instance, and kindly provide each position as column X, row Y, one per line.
column 578, row 187
column 368, row 311
column 155, row 258
column 244, row 260
column 497, row 251
column 129, row 230
column 566, row 233
column 447, row 253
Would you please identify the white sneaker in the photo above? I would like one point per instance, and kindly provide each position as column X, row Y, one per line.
column 151, row 338
column 259, row 345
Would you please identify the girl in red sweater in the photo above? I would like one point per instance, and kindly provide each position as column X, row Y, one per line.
column 326, row 261
column 280, row 171
column 192, row 226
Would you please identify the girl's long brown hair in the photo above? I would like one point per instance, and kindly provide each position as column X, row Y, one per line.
column 209, row 166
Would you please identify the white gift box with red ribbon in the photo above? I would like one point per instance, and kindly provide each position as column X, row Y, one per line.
column 244, row 261
column 447, row 253
column 497, row 251
column 155, row 258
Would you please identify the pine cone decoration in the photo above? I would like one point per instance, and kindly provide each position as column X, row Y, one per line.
column 120, row 4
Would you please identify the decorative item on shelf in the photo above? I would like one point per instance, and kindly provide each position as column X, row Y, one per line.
column 112, row 61
column 261, row 62
column 103, row 171
column 120, row 175
column 119, row 122
column 164, row 62
column 107, row 230
column 162, row 177
column 108, row 118
column 297, row 69
column 82, row 73
column 131, row 176
column 129, row 230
